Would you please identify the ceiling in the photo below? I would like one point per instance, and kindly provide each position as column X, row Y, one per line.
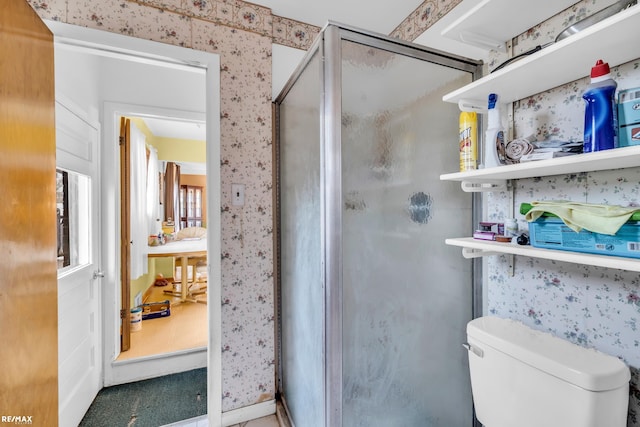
column 169, row 128
column 381, row 16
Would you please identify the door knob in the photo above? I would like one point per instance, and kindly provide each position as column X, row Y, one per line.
column 98, row 273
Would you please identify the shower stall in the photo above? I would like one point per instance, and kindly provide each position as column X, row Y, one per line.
column 372, row 305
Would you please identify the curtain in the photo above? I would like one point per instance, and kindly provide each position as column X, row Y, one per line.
column 153, row 193
column 138, row 220
column 172, row 193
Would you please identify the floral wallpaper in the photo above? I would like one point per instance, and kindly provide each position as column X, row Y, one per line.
column 292, row 33
column 162, row 16
column 425, row 15
column 248, row 355
column 590, row 306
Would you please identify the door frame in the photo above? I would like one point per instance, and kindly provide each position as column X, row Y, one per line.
column 119, row 372
column 146, row 51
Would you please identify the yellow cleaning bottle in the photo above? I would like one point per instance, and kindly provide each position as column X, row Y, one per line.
column 468, row 141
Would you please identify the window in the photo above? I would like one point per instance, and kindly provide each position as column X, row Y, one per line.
column 190, row 206
column 73, row 215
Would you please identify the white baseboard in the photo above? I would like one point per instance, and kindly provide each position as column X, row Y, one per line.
column 248, row 413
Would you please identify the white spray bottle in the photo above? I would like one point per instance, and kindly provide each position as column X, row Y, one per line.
column 494, row 141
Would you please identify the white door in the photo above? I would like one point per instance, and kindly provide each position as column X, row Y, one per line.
column 79, row 320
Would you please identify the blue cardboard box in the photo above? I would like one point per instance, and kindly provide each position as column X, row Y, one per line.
column 629, row 117
column 552, row 233
column 154, row 310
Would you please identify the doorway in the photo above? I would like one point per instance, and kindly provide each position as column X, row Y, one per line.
column 100, row 100
column 168, row 215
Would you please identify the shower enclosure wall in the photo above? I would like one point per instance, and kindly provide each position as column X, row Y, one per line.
column 372, row 305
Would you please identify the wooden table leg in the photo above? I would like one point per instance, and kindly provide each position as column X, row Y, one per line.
column 184, row 281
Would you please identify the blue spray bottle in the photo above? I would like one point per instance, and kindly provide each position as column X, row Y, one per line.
column 600, row 122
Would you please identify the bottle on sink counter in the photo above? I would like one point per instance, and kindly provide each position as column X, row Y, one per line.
column 600, row 118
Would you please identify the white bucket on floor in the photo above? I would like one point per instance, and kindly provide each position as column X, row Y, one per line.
column 136, row 319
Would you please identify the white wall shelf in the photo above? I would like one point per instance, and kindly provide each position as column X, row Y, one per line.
column 562, row 62
column 557, row 64
column 617, row 158
column 481, row 26
column 474, row 248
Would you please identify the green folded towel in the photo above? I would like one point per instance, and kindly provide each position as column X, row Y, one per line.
column 604, row 219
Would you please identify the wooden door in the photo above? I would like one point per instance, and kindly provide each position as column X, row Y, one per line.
column 28, row 282
column 125, row 233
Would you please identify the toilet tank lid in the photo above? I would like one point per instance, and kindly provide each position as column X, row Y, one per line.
column 585, row 368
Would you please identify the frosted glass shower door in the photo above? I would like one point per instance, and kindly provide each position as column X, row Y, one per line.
column 301, row 280
column 406, row 296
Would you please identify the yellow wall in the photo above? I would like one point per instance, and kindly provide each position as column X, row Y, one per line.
column 174, row 149
column 165, row 266
column 142, row 283
column 180, row 150
column 162, row 266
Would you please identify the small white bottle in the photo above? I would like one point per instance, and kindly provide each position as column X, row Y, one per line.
column 510, row 227
column 494, row 143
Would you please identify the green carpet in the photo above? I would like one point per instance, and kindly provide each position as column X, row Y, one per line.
column 150, row 403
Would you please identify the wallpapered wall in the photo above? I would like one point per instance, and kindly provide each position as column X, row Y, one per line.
column 590, row 306
column 587, row 305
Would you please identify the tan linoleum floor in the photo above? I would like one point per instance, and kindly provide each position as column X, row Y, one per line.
column 186, row 328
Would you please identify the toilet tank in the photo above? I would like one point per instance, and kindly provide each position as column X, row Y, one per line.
column 527, row 378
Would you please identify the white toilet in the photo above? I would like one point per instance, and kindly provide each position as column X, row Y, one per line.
column 526, row 378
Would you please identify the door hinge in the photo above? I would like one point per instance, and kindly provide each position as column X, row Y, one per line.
column 123, row 313
column 121, row 140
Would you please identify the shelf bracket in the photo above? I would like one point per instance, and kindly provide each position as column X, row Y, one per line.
column 477, row 187
column 470, row 253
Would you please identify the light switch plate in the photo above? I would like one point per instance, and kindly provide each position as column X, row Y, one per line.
column 237, row 194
